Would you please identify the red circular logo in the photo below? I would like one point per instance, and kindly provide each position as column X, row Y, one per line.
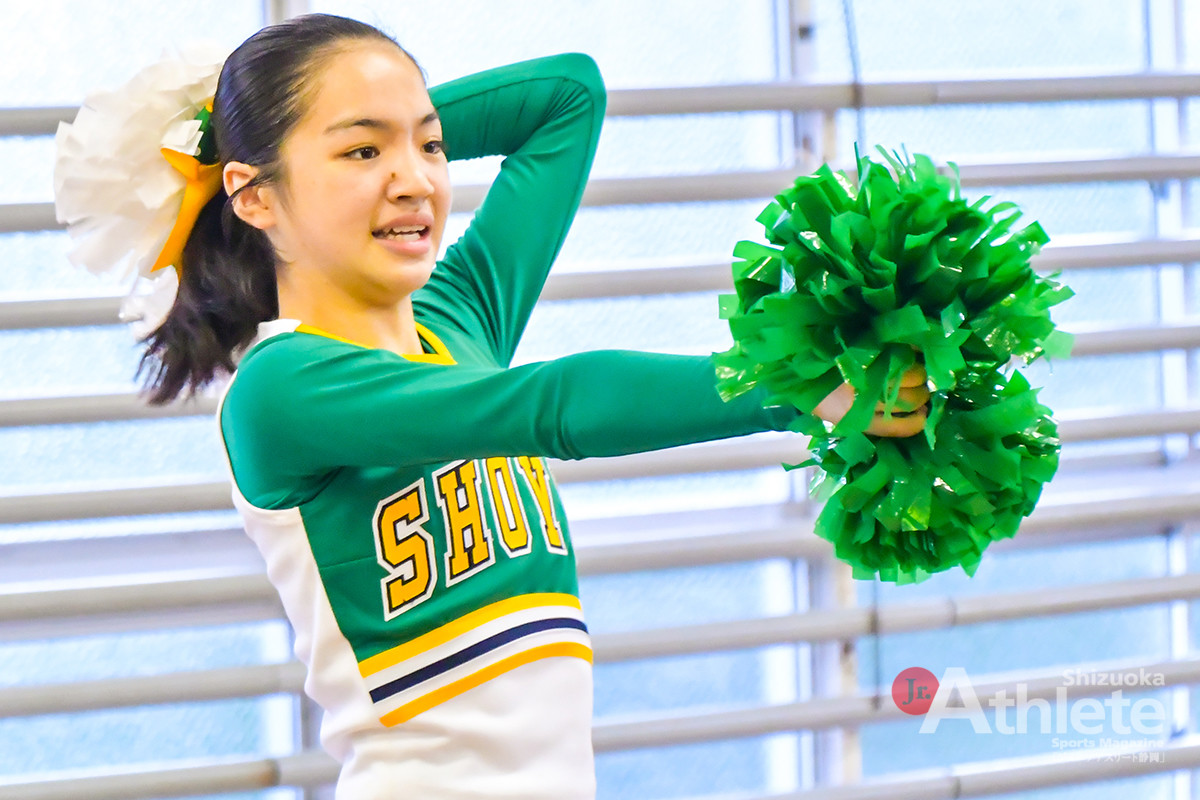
column 913, row 690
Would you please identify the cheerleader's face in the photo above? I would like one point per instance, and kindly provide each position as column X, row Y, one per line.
column 359, row 214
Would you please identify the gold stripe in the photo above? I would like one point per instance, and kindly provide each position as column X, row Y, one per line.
column 440, row 354
column 465, row 623
column 564, row 649
column 305, row 328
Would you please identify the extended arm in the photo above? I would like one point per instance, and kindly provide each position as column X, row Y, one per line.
column 350, row 406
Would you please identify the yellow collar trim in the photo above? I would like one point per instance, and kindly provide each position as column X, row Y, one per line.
column 440, row 354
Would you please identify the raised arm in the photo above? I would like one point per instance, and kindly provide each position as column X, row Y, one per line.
column 544, row 116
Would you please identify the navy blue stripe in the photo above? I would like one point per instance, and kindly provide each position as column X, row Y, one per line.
column 474, row 651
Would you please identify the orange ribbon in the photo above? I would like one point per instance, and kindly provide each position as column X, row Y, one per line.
column 203, row 181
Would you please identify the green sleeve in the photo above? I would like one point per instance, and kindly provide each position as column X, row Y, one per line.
column 306, row 406
column 544, row 116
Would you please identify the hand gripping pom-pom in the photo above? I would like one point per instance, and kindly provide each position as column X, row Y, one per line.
column 854, row 285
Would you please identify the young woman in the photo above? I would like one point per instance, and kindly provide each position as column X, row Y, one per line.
column 386, row 459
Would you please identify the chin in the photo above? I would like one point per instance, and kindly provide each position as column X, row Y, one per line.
column 401, row 283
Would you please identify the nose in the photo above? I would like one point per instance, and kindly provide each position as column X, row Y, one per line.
column 410, row 175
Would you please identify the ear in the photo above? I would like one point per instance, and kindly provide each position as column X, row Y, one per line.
column 254, row 205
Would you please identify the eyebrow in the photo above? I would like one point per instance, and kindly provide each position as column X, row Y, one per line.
column 377, row 124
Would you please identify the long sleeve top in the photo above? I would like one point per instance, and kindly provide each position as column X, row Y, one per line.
column 403, row 503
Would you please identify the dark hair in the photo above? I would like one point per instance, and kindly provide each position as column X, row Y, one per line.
column 227, row 275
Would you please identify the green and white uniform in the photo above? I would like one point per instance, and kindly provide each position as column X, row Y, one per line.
column 403, row 505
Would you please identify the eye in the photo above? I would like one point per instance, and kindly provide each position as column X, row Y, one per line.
column 435, row 146
column 363, row 153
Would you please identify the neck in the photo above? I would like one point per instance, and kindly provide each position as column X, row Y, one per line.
column 387, row 327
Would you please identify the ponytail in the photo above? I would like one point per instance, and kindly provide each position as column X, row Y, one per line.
column 226, row 288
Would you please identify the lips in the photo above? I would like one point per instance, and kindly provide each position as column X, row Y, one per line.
column 409, row 234
column 406, row 235
column 407, row 227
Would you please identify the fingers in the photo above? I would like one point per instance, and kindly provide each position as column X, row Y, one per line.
column 908, row 414
column 911, row 409
column 909, row 399
column 836, row 404
column 913, row 376
column 900, row 425
column 907, row 417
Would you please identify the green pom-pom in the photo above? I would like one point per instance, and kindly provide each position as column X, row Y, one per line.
column 854, row 285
